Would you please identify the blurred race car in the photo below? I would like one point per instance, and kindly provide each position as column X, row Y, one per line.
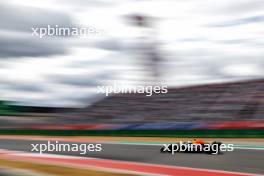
column 195, row 146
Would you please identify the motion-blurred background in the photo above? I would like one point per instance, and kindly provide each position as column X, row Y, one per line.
column 209, row 53
column 181, row 44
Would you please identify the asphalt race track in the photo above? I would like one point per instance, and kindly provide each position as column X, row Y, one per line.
column 240, row 160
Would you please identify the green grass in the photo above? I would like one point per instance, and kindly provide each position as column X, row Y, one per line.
column 143, row 133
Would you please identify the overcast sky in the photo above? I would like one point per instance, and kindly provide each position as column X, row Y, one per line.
column 199, row 41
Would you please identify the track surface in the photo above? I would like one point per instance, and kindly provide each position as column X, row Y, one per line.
column 249, row 161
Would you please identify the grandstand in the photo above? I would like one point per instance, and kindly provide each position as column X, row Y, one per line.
column 223, row 102
column 215, row 102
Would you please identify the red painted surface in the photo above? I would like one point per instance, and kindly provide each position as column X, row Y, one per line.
column 117, row 165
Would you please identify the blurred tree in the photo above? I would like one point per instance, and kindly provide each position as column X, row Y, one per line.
column 6, row 109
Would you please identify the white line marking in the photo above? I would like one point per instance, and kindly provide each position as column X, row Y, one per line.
column 20, row 153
